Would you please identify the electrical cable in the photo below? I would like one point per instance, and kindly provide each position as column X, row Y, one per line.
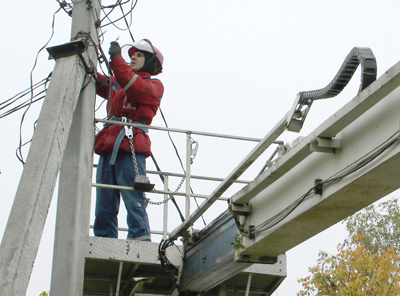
column 179, row 158
column 171, row 196
column 63, row 4
column 15, row 98
column 133, row 5
column 126, row 22
column 115, row 5
column 166, row 264
column 101, row 57
column 359, row 164
column 19, row 149
column 21, row 106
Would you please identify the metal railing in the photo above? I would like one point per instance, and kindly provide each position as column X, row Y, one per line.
column 187, row 176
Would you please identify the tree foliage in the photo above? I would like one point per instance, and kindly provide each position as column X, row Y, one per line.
column 376, row 226
column 367, row 263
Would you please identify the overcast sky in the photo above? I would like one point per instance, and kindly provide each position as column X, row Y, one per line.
column 231, row 67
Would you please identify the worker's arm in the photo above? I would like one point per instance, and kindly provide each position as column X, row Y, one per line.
column 103, row 85
column 139, row 90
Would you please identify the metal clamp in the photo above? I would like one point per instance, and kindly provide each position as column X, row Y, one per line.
column 128, row 129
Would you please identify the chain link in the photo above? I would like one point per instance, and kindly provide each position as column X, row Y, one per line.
column 129, row 134
column 133, row 156
column 158, row 203
column 192, row 156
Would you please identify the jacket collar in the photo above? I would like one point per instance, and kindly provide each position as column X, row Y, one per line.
column 143, row 75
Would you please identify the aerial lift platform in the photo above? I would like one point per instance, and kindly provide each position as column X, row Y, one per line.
column 349, row 161
column 308, row 186
column 123, row 267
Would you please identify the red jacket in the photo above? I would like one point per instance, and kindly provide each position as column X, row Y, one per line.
column 139, row 102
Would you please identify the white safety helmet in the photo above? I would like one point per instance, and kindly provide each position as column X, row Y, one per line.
column 156, row 56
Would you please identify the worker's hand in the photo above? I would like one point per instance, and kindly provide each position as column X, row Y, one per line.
column 115, row 49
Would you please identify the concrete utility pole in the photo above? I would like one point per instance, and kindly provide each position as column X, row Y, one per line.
column 73, row 207
column 61, row 112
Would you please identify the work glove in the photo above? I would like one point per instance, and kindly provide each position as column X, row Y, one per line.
column 114, row 50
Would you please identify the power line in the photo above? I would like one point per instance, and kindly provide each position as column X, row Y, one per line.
column 16, row 98
column 123, row 17
column 19, row 149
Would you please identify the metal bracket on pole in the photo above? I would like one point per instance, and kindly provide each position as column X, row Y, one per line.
column 89, row 4
column 76, row 47
column 67, row 49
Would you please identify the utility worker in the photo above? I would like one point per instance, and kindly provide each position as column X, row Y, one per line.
column 132, row 96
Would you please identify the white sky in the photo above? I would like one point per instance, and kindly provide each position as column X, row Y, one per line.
column 231, row 67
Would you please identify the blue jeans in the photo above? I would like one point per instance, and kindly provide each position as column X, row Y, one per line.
column 108, row 200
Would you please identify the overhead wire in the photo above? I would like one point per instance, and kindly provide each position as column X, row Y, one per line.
column 9, row 102
column 101, row 56
column 67, row 7
column 33, row 97
column 64, row 5
column 22, row 105
column 179, row 158
column 19, row 149
column 126, row 22
column 114, row 22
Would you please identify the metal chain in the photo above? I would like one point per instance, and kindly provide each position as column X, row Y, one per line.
column 180, row 184
column 158, row 203
column 193, row 148
column 133, row 156
column 129, row 135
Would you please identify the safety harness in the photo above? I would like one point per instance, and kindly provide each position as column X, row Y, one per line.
column 141, row 183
